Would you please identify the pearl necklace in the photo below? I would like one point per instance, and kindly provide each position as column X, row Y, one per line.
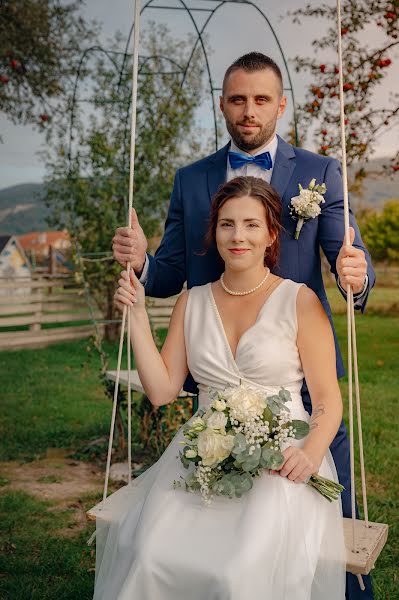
column 232, row 293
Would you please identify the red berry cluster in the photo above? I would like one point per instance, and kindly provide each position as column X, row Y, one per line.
column 384, row 62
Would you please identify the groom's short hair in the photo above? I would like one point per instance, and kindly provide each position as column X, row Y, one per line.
column 253, row 61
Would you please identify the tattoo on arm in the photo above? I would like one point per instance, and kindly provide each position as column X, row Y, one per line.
column 320, row 410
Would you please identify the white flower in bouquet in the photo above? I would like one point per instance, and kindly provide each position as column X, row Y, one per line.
column 214, row 447
column 307, row 204
column 219, row 404
column 191, row 453
column 197, row 424
column 217, row 420
column 245, row 403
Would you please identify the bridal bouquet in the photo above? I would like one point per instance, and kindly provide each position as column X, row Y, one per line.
column 240, row 433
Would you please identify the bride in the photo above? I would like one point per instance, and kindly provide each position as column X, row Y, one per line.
column 281, row 540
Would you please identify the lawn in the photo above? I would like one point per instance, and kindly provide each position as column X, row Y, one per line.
column 52, row 398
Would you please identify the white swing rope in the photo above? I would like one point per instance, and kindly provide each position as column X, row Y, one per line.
column 351, row 325
column 125, row 309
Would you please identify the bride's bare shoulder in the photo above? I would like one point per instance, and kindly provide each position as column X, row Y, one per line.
column 308, row 305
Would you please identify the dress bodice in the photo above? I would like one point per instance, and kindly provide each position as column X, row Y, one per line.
column 267, row 355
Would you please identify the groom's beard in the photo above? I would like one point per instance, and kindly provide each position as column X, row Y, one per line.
column 261, row 139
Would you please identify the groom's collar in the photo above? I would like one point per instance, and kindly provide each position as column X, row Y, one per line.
column 282, row 169
column 284, row 150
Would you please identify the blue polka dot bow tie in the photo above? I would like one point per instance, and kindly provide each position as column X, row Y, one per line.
column 237, row 160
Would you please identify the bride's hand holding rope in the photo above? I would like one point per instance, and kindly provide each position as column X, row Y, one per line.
column 130, row 292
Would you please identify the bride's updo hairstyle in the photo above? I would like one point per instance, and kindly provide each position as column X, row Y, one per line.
column 254, row 187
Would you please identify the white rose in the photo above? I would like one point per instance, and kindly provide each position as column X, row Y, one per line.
column 220, row 405
column 245, row 402
column 214, row 447
column 192, row 453
column 217, row 420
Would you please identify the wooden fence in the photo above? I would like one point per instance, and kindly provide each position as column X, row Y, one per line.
column 160, row 310
column 40, row 311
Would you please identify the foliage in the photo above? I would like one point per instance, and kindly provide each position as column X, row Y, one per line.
column 88, row 180
column 365, row 66
column 380, row 232
column 40, row 46
column 158, row 426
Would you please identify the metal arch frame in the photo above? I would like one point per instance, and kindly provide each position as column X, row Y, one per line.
column 200, row 40
column 200, row 33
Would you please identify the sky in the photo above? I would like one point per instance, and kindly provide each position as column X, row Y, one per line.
column 234, row 30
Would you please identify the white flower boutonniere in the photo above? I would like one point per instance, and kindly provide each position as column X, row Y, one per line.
column 307, row 204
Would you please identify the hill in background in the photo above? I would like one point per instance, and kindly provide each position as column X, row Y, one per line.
column 22, row 208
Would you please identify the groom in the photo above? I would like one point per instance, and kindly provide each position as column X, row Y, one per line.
column 252, row 101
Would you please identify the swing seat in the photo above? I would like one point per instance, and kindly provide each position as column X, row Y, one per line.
column 102, row 510
column 369, row 544
column 370, row 540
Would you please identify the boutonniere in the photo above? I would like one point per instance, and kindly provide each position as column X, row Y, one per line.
column 307, row 204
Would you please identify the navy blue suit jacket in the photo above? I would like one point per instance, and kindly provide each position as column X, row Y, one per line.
column 178, row 258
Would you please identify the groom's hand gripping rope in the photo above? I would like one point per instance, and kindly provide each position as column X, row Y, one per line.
column 129, row 244
column 351, row 266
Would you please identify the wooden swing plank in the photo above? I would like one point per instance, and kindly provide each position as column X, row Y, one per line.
column 135, row 382
column 370, row 540
column 100, row 510
column 369, row 543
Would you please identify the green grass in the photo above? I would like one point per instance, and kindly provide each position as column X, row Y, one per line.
column 36, row 562
column 52, row 398
column 382, row 301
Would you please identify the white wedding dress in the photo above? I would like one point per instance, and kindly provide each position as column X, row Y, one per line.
column 280, row 541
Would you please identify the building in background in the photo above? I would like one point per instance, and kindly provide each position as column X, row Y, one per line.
column 48, row 251
column 14, row 263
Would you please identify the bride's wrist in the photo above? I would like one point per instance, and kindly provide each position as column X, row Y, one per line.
column 315, row 454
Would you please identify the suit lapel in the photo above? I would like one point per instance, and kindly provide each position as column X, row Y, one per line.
column 284, row 166
column 217, row 170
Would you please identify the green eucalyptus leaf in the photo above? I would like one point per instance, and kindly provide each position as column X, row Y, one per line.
column 240, row 444
column 275, row 405
column 301, row 429
column 268, row 415
column 285, row 395
column 272, row 459
column 252, row 462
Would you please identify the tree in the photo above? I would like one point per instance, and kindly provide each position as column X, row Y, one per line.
column 380, row 232
column 40, row 45
column 87, row 188
column 365, row 67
